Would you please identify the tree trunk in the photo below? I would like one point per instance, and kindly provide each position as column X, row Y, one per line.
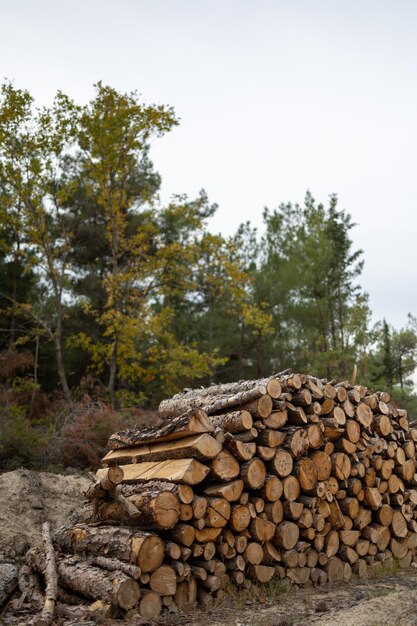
column 60, row 362
column 112, row 376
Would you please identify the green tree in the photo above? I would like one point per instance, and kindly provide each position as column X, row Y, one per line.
column 394, row 357
column 33, row 145
column 320, row 314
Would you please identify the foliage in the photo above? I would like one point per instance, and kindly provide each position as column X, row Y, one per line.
column 305, row 277
column 23, row 439
column 79, row 193
column 81, row 441
column 21, row 442
column 392, row 361
column 106, row 291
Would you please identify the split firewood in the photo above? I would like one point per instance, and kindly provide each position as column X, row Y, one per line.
column 186, row 471
column 201, row 447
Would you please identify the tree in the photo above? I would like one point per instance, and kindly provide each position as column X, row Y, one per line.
column 33, row 145
column 308, row 269
column 113, row 133
column 394, row 358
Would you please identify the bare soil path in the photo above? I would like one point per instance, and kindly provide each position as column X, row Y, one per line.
column 381, row 601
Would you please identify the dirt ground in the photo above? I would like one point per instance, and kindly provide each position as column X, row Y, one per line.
column 380, row 601
column 28, row 498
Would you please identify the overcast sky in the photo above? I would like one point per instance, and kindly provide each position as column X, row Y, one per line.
column 274, row 96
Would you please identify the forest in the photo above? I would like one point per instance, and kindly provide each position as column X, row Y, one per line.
column 110, row 300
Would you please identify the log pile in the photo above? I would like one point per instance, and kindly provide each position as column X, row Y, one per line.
column 289, row 477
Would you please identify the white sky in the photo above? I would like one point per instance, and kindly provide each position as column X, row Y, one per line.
column 274, row 97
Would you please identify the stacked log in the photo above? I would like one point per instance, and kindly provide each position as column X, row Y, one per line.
column 289, row 477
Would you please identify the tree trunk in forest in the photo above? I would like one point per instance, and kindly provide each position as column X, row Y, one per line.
column 60, row 365
column 112, row 376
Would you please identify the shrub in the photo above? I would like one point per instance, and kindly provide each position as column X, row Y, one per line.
column 82, row 438
column 22, row 442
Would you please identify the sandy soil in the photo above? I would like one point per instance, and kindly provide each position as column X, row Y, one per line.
column 27, row 499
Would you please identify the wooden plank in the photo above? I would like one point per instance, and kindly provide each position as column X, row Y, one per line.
column 200, row 447
column 186, row 471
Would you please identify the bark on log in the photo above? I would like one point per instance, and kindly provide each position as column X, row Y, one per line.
column 192, row 421
column 272, row 384
column 216, row 404
column 8, row 580
column 159, row 511
column 90, row 581
column 184, row 493
column 234, row 422
column 29, row 587
column 141, row 548
column 107, row 485
column 115, row 565
column 51, row 579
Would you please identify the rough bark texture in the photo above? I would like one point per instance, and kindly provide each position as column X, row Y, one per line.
column 132, row 546
column 90, row 581
column 51, row 578
column 158, row 511
column 216, row 404
column 8, row 580
column 191, row 421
